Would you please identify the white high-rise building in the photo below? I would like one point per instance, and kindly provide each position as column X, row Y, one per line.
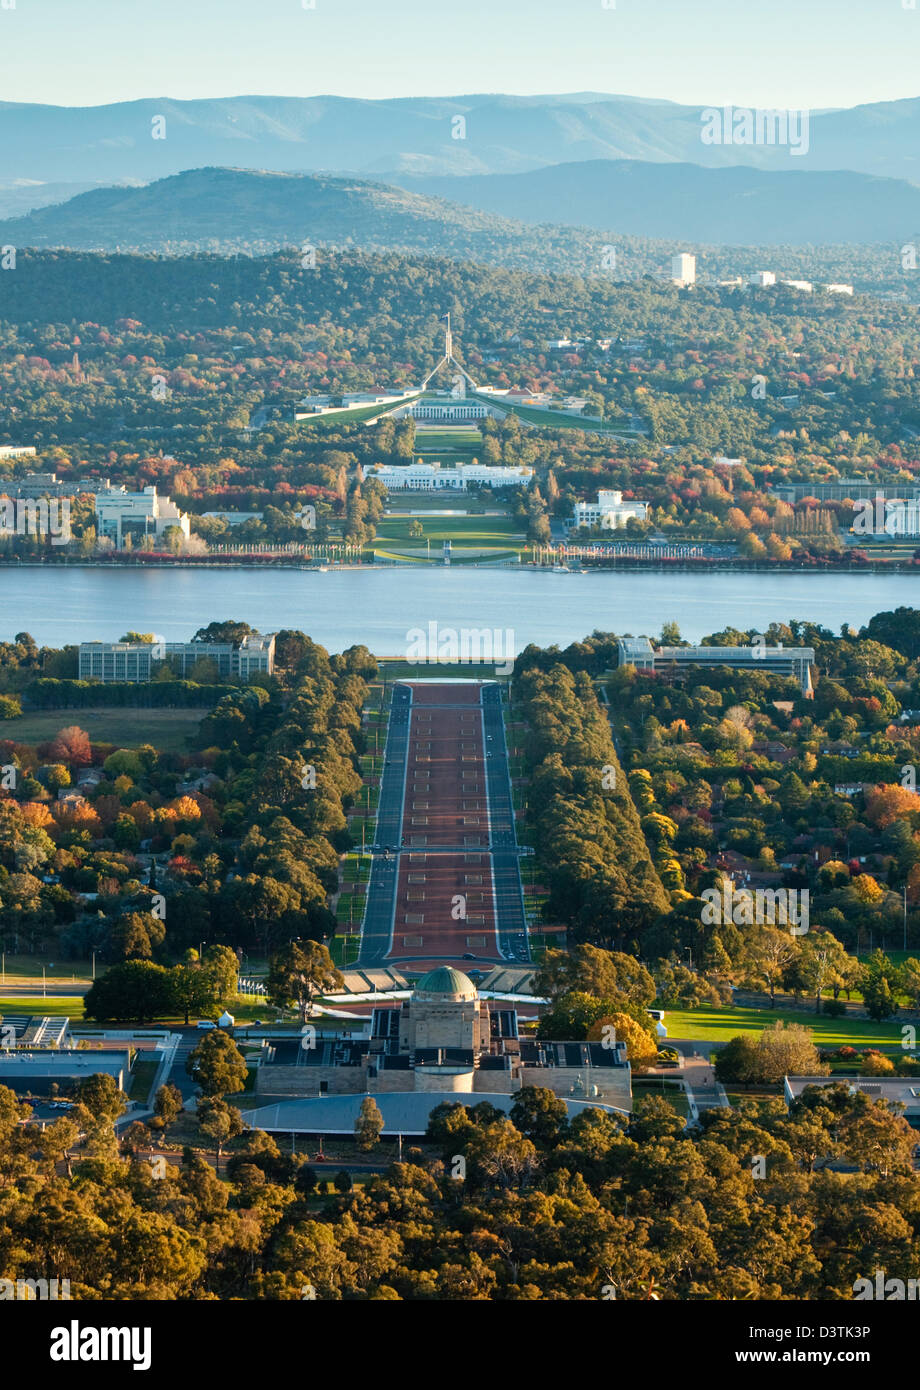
column 762, row 278
column 683, row 268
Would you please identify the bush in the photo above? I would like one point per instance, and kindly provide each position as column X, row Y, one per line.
column 877, row 1065
column 833, row 1008
column 846, row 1052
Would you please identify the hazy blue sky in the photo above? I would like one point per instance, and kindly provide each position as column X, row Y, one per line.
column 809, row 53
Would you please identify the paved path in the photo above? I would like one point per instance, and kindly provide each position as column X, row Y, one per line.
column 704, row 1091
column 445, row 880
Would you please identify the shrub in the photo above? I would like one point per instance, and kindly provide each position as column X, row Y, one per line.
column 877, row 1065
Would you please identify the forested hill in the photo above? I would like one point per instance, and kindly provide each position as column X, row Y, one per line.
column 252, row 211
column 387, row 305
column 639, row 214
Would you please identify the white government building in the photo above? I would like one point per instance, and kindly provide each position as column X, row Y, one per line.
column 431, row 477
column 120, row 514
column 609, row 512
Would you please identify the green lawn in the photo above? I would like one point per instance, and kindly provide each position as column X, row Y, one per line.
column 655, row 1086
column 56, row 1006
column 718, row 1025
column 464, row 532
column 560, row 419
column 345, row 951
column 27, row 970
column 71, row 1006
column 142, row 1079
column 167, row 729
column 400, row 501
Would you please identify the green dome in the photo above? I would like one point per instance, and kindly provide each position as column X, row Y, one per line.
column 446, row 980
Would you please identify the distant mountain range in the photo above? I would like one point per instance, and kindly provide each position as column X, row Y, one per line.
column 496, row 135
column 519, row 220
column 728, row 207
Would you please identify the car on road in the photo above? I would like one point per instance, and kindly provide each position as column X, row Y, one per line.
column 204, row 1025
column 468, row 955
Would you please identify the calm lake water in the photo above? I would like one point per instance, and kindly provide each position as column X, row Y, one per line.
column 379, row 606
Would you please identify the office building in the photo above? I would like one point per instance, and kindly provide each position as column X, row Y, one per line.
column 609, row 512
column 683, row 269
column 795, row 662
column 139, row 515
column 136, row 662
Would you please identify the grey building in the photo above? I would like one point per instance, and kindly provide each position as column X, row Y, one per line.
column 844, row 489
column 136, row 661
column 783, row 661
column 36, row 1072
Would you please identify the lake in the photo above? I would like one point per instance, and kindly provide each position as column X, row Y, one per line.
column 379, row 606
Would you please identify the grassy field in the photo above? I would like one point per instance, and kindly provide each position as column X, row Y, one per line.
column 27, row 970
column 167, row 729
column 718, row 1025
column 55, row 1006
column 142, row 1079
column 345, row 950
column 461, row 531
column 71, row 1006
column 449, row 445
column 658, row 1086
column 559, row 419
column 401, row 503
column 443, row 436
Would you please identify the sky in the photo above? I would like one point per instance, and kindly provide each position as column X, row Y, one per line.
column 784, row 53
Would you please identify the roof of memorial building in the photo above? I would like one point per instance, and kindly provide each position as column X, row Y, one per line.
column 445, row 980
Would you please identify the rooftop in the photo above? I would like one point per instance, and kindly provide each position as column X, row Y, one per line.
column 445, row 980
column 404, row 1112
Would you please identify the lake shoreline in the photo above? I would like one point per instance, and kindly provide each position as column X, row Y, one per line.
column 622, row 563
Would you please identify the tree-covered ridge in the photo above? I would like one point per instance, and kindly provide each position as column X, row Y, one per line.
column 148, row 371
column 738, row 776
column 585, row 828
column 251, row 824
column 549, row 1208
